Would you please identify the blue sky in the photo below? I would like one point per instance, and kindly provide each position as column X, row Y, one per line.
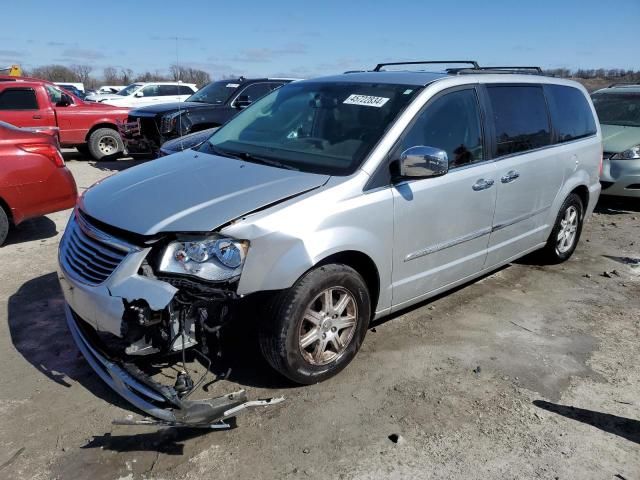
column 304, row 39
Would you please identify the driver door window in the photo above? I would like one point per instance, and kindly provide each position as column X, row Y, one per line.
column 450, row 123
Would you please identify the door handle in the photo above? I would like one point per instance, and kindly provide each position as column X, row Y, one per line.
column 482, row 184
column 37, row 117
column 510, row 176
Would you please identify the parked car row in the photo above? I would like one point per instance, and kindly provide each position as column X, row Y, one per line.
column 323, row 205
column 34, row 180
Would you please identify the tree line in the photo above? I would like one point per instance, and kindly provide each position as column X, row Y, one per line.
column 187, row 74
column 117, row 75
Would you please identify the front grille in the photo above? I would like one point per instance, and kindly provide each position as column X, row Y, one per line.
column 86, row 253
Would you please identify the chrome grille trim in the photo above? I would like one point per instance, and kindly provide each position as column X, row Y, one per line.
column 90, row 255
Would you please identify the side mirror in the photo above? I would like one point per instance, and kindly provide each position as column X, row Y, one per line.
column 139, row 94
column 65, row 100
column 243, row 101
column 423, row 162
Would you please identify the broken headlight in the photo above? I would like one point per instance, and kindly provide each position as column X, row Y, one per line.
column 213, row 258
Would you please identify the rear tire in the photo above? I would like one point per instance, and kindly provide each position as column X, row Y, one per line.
column 105, row 144
column 316, row 327
column 4, row 225
column 565, row 234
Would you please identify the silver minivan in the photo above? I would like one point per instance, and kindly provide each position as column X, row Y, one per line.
column 324, row 205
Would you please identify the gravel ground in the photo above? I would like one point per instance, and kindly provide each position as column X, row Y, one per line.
column 526, row 373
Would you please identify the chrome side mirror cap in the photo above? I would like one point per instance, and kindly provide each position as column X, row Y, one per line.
column 423, row 162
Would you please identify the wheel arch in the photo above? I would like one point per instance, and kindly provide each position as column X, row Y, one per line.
column 97, row 126
column 583, row 192
column 361, row 263
column 5, row 206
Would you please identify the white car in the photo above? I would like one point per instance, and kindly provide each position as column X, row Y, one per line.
column 141, row 94
column 109, row 89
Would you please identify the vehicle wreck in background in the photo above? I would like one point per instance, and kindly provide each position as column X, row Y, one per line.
column 213, row 105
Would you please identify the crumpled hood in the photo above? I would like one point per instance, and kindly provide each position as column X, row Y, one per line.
column 190, row 192
column 616, row 138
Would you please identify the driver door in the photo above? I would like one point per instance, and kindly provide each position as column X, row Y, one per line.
column 442, row 225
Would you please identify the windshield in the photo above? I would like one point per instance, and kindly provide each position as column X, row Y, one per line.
column 618, row 108
column 126, row 91
column 215, row 93
column 326, row 128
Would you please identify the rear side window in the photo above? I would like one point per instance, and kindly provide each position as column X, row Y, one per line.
column 520, row 118
column 18, row 99
column 185, row 90
column 570, row 113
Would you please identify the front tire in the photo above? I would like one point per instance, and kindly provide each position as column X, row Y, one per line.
column 105, row 144
column 566, row 231
column 317, row 326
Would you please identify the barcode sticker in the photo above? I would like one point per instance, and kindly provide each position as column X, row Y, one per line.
column 366, row 100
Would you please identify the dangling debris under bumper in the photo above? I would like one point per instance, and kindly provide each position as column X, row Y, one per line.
column 160, row 401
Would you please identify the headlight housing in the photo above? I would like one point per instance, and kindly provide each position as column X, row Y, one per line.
column 631, row 154
column 168, row 122
column 214, row 258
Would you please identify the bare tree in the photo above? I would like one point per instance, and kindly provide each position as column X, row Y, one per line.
column 110, row 75
column 54, row 73
column 82, row 72
column 189, row 75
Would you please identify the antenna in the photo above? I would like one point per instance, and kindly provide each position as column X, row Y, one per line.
column 178, row 88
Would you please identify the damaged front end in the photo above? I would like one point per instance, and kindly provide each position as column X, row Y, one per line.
column 125, row 301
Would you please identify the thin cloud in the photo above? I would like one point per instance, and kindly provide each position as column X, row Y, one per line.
column 252, row 55
column 73, row 54
column 12, row 53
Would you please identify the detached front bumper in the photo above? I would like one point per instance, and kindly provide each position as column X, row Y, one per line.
column 157, row 400
column 621, row 178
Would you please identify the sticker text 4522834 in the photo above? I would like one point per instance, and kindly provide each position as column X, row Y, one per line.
column 366, row 100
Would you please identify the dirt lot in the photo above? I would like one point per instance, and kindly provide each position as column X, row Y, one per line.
column 530, row 372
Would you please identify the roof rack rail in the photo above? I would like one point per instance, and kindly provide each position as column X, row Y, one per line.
column 522, row 70
column 622, row 84
column 427, row 62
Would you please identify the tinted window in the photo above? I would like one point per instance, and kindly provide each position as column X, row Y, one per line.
column 167, row 90
column 520, row 118
column 184, row 90
column 150, row 91
column 257, row 90
column 450, row 123
column 18, row 99
column 570, row 113
column 215, row 93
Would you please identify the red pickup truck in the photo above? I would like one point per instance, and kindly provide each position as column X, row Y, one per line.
column 88, row 126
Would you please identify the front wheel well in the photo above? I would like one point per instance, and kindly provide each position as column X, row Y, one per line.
column 364, row 265
column 97, row 126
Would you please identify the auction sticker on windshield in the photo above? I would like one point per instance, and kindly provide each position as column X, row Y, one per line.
column 366, row 100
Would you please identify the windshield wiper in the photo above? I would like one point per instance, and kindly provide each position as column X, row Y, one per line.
column 223, row 153
column 266, row 161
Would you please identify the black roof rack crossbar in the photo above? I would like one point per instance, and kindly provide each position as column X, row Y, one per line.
column 622, row 84
column 427, row 62
column 533, row 69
